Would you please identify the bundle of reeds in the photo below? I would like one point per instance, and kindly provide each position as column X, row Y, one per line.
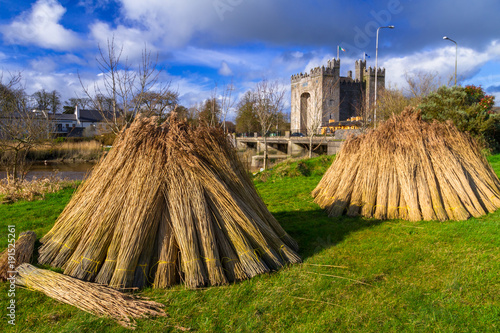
column 170, row 203
column 20, row 252
column 410, row 169
column 90, row 297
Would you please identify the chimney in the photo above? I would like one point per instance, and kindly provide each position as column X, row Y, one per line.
column 77, row 115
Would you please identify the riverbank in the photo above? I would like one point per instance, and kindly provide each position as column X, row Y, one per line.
column 67, row 152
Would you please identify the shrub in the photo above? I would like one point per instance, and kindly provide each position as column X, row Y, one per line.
column 469, row 108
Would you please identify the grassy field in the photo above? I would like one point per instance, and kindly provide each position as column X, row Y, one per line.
column 358, row 275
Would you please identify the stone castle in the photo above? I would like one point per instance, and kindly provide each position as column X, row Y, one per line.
column 323, row 96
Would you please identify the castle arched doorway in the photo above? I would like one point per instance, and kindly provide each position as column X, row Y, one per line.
column 304, row 111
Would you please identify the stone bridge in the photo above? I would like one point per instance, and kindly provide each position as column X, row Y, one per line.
column 291, row 146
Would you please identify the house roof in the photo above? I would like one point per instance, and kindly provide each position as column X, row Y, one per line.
column 63, row 116
column 95, row 116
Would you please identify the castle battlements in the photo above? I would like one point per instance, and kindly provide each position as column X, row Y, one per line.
column 371, row 71
column 318, row 71
column 332, row 68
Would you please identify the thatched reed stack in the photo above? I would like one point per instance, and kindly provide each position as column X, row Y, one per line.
column 170, row 203
column 410, row 169
column 90, row 297
column 21, row 251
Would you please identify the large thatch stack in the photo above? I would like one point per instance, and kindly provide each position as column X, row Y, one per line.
column 169, row 203
column 410, row 169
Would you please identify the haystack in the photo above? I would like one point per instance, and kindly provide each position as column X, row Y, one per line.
column 410, row 169
column 170, row 203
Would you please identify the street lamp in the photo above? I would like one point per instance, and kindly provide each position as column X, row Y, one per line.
column 456, row 56
column 376, row 72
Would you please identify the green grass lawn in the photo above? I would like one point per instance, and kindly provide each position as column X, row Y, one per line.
column 358, row 275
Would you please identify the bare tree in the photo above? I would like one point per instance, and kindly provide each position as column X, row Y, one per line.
column 421, row 84
column 125, row 85
column 21, row 128
column 269, row 103
column 391, row 101
column 72, row 103
column 227, row 102
column 158, row 104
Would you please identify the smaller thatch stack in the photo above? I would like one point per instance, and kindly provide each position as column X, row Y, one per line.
column 410, row 169
column 90, row 297
column 21, row 252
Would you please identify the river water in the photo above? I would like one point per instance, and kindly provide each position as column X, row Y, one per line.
column 69, row 171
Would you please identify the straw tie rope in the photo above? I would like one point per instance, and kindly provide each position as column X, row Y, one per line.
column 88, row 259
column 254, row 252
column 63, row 244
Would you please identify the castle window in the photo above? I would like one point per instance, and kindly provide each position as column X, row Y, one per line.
column 304, row 84
column 330, row 102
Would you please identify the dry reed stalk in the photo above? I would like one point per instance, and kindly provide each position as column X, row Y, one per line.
column 384, row 175
column 393, row 193
column 403, row 209
column 406, row 168
column 369, row 152
column 93, row 298
column 326, row 191
column 241, row 215
column 430, row 180
column 184, row 228
column 356, row 200
column 232, row 265
column 487, row 185
column 218, row 157
column 210, row 252
column 141, row 225
column 142, row 271
column 340, row 199
column 93, row 247
column 60, row 243
column 247, row 253
column 24, row 247
column 165, row 271
column 461, row 193
column 424, row 195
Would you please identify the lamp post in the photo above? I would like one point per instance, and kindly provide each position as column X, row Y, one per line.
column 456, row 56
column 376, row 76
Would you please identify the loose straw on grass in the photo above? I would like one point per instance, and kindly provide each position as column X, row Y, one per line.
column 90, row 297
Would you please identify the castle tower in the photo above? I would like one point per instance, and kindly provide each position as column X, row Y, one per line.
column 359, row 67
column 370, row 87
column 322, row 95
column 315, row 97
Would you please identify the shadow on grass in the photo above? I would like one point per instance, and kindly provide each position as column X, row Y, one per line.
column 315, row 231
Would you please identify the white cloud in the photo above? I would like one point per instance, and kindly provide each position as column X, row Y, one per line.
column 440, row 61
column 174, row 22
column 40, row 26
column 132, row 41
column 225, row 70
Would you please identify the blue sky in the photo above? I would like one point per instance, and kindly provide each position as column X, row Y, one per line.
column 202, row 43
